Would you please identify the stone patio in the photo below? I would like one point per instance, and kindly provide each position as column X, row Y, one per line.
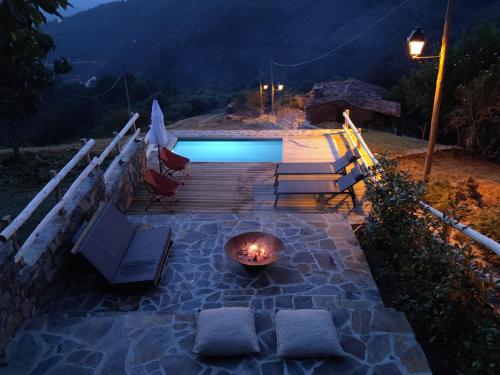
column 97, row 330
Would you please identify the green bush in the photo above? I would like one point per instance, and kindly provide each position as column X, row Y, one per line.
column 441, row 289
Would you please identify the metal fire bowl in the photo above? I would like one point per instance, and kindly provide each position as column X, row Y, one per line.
column 273, row 245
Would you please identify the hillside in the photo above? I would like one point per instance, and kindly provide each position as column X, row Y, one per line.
column 221, row 43
column 79, row 6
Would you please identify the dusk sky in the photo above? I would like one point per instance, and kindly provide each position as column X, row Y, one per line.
column 79, row 5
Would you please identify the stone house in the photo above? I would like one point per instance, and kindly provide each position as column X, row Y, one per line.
column 365, row 101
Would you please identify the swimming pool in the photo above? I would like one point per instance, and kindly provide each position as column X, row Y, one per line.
column 230, row 150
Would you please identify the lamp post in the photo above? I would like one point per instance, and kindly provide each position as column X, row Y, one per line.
column 262, row 87
column 416, row 42
column 279, row 87
column 274, row 88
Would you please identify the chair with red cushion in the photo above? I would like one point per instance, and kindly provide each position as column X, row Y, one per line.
column 160, row 187
column 173, row 162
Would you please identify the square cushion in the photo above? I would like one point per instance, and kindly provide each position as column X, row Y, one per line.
column 306, row 334
column 145, row 256
column 228, row 331
column 107, row 241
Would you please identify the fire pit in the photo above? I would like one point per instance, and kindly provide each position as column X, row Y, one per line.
column 254, row 248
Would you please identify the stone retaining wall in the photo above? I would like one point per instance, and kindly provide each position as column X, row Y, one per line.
column 30, row 285
column 123, row 181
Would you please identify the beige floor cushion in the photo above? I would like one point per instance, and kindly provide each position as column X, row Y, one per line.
column 306, row 334
column 227, row 331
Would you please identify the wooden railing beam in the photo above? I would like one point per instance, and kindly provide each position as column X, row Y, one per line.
column 117, row 138
column 84, row 141
column 119, row 158
column 6, row 220
column 57, row 208
column 26, row 213
column 449, row 222
column 469, row 232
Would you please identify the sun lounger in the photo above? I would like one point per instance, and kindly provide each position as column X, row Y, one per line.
column 337, row 167
column 160, row 187
column 173, row 162
column 121, row 252
column 343, row 185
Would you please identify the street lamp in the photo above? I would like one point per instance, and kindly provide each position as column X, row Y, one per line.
column 416, row 42
column 265, row 86
column 280, row 86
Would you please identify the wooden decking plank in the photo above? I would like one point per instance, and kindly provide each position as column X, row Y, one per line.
column 249, row 187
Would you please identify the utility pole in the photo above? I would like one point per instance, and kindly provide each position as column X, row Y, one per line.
column 272, row 90
column 126, row 93
column 261, row 93
column 438, row 94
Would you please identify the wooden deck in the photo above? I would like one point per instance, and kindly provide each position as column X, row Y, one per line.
column 248, row 187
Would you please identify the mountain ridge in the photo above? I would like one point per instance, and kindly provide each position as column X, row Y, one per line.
column 220, row 43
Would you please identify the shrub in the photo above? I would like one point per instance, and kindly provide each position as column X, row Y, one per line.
column 443, row 292
column 488, row 223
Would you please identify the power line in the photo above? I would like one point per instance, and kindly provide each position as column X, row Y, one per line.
column 344, row 43
column 104, row 93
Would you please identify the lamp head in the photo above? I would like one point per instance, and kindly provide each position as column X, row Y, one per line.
column 265, row 86
column 416, row 42
column 280, row 87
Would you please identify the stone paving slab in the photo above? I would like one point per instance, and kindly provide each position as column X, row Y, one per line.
column 322, row 266
column 156, row 343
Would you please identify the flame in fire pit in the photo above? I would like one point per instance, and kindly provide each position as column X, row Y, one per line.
column 254, row 248
column 253, row 253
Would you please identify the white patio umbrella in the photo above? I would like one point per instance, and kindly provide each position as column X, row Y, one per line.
column 157, row 133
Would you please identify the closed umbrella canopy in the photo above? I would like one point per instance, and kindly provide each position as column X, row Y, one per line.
column 157, row 133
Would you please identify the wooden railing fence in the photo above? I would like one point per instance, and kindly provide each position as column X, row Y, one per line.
column 11, row 227
column 358, row 142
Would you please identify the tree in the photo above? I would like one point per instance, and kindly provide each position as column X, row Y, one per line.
column 416, row 93
column 470, row 110
column 476, row 118
column 23, row 50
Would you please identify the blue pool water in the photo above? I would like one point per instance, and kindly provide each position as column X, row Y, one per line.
column 230, row 150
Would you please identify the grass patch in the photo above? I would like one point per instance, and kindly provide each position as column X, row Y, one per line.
column 383, row 142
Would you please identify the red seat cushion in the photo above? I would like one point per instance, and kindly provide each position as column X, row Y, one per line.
column 159, row 184
column 172, row 160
